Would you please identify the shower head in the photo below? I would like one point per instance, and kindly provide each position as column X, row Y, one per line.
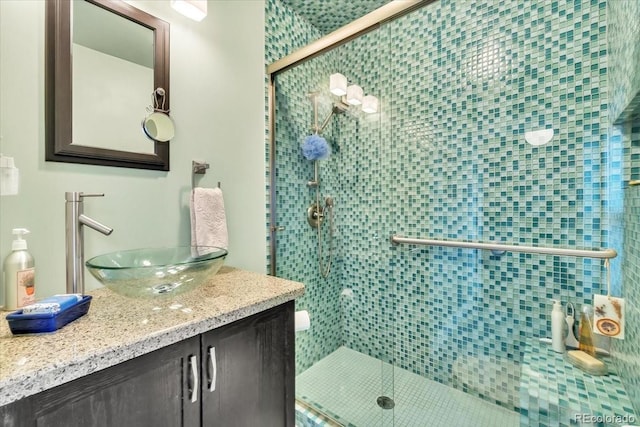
column 338, row 108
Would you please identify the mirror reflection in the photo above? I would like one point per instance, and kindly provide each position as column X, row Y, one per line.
column 112, row 68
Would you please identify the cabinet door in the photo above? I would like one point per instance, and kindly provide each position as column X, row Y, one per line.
column 150, row 390
column 249, row 371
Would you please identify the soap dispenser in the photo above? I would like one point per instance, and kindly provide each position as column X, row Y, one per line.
column 19, row 274
column 557, row 327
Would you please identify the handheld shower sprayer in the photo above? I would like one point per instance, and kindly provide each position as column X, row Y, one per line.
column 316, row 148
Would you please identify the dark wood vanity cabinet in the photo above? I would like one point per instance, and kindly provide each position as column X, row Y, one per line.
column 254, row 372
column 149, row 390
column 239, row 375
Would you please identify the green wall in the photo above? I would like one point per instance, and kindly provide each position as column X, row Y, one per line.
column 217, row 103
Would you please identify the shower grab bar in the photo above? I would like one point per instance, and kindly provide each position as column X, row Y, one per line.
column 584, row 253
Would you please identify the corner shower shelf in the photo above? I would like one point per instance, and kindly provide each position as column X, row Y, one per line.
column 554, row 392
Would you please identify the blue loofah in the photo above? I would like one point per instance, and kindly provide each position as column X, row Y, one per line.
column 315, row 147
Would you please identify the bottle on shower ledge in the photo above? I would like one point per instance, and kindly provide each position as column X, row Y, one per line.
column 571, row 341
column 585, row 341
column 557, row 327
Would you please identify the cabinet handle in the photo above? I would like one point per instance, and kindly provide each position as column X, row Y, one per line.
column 214, row 368
column 193, row 361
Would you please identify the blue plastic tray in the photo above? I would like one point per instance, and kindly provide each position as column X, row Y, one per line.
column 47, row 322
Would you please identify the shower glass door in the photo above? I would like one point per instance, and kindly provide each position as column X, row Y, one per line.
column 431, row 335
column 344, row 362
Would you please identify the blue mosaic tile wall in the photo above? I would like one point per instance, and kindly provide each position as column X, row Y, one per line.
column 624, row 77
column 624, row 47
column 296, row 247
column 328, row 16
column 627, row 352
column 623, row 19
column 297, row 252
column 459, row 83
column 285, row 31
column 466, row 81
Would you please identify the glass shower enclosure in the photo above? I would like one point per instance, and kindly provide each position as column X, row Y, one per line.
column 408, row 335
column 354, row 244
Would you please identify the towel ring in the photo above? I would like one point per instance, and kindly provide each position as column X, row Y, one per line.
column 199, row 168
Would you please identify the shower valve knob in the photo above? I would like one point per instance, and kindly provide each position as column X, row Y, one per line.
column 315, row 215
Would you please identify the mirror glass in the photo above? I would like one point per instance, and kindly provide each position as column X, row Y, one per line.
column 112, row 68
column 104, row 60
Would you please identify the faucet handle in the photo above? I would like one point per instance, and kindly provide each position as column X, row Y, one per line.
column 91, row 194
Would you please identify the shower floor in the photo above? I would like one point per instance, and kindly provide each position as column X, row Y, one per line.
column 346, row 384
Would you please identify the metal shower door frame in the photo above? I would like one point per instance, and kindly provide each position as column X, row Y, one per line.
column 355, row 29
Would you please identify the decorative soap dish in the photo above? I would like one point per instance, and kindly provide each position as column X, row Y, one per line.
column 34, row 323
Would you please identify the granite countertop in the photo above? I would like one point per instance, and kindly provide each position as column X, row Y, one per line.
column 118, row 328
column 554, row 392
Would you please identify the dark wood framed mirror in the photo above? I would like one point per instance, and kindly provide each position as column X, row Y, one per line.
column 103, row 61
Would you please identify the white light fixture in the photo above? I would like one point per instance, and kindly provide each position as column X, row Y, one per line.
column 351, row 95
column 194, row 9
column 338, row 84
column 370, row 104
column 354, row 95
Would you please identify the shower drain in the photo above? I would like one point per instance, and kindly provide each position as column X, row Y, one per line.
column 385, row 402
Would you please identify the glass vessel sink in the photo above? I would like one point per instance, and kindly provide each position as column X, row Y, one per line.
column 153, row 272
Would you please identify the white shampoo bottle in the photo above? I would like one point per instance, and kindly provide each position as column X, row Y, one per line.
column 557, row 327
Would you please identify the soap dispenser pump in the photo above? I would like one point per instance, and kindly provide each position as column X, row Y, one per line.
column 557, row 327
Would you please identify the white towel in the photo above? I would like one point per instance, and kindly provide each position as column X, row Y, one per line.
column 208, row 219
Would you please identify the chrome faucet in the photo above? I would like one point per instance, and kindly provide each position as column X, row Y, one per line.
column 75, row 219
